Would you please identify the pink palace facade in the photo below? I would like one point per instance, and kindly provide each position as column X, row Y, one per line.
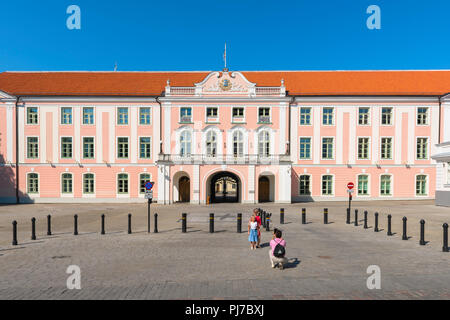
column 204, row 137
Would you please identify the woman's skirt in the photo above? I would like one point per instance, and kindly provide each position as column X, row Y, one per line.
column 253, row 236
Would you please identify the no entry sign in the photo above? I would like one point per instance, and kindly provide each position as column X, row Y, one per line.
column 350, row 185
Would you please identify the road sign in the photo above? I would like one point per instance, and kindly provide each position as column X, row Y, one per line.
column 350, row 185
column 149, row 185
column 148, row 194
column 350, row 191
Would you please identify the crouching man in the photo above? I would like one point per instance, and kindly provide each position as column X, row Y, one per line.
column 278, row 250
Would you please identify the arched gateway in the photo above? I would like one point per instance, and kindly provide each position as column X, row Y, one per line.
column 225, row 187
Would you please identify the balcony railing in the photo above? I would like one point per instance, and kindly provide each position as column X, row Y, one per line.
column 186, row 119
column 264, row 119
column 224, row 159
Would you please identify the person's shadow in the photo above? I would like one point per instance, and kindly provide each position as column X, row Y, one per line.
column 292, row 263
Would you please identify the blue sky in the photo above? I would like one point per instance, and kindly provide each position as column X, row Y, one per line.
column 148, row 35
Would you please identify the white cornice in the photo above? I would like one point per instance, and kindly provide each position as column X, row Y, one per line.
column 88, row 99
column 356, row 99
column 224, row 99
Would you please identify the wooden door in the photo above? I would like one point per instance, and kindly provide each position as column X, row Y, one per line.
column 185, row 189
column 264, row 189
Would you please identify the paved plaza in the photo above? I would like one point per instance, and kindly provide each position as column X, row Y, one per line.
column 325, row 261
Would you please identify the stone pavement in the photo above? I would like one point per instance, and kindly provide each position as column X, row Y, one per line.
column 326, row 261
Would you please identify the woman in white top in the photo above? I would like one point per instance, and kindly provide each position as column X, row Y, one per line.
column 253, row 228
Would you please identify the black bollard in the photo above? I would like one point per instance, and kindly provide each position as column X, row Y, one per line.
column 303, row 215
column 211, row 223
column 14, row 242
column 129, row 223
column 389, row 232
column 75, row 225
column 376, row 222
column 267, row 224
column 445, row 246
column 239, row 222
column 103, row 224
column 49, row 225
column 422, row 232
column 325, row 216
column 282, row 216
column 33, row 228
column 264, row 218
column 155, row 229
column 365, row 219
column 183, row 222
column 356, row 217
column 348, row 216
column 405, row 236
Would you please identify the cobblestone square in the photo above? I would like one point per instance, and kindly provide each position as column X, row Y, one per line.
column 325, row 261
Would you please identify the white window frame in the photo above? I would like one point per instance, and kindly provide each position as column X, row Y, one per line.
column 427, row 189
column 368, row 185
column 38, row 151
column 369, row 148
column 310, row 184
column 334, row 148
column 392, row 148
column 270, row 115
column 311, row 114
column 333, row 187
column 392, row 116
column 139, row 116
column 67, row 194
column 427, row 115
column 34, row 194
column 142, row 194
column 310, row 150
column 392, row 185
column 61, row 147
column 139, row 147
column 123, row 195
column 82, row 147
column 84, row 194
column 82, row 116
column 117, row 147
column 333, row 116
column 61, row 116
column 369, row 116
column 241, row 120
column 428, row 148
column 26, row 116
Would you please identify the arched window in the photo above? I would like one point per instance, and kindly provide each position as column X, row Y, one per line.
column 185, row 143
column 238, row 144
column 33, row 183
column 88, row 183
column 143, row 179
column 421, row 185
column 67, row 183
column 211, row 144
column 122, row 183
column 264, row 144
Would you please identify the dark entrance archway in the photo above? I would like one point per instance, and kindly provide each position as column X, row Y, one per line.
column 225, row 187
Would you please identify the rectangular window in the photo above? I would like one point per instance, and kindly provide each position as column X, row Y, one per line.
column 386, row 148
column 32, row 115
column 122, row 116
column 363, row 185
column 305, row 185
column 305, row 116
column 363, row 118
column 145, row 116
column 422, row 116
column 66, row 147
column 363, row 148
column 145, row 148
column 386, row 116
column 264, row 115
column 421, row 185
column 211, row 112
column 385, row 185
column 238, row 112
column 88, row 148
column 67, row 183
column 327, row 185
column 32, row 148
column 143, row 179
column 328, row 116
column 327, row 148
column 33, row 183
column 305, row 148
column 66, row 115
column 88, row 183
column 122, row 148
column 422, row 148
column 122, row 183
column 186, row 115
column 88, row 115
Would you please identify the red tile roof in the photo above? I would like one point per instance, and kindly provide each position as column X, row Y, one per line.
column 297, row 82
